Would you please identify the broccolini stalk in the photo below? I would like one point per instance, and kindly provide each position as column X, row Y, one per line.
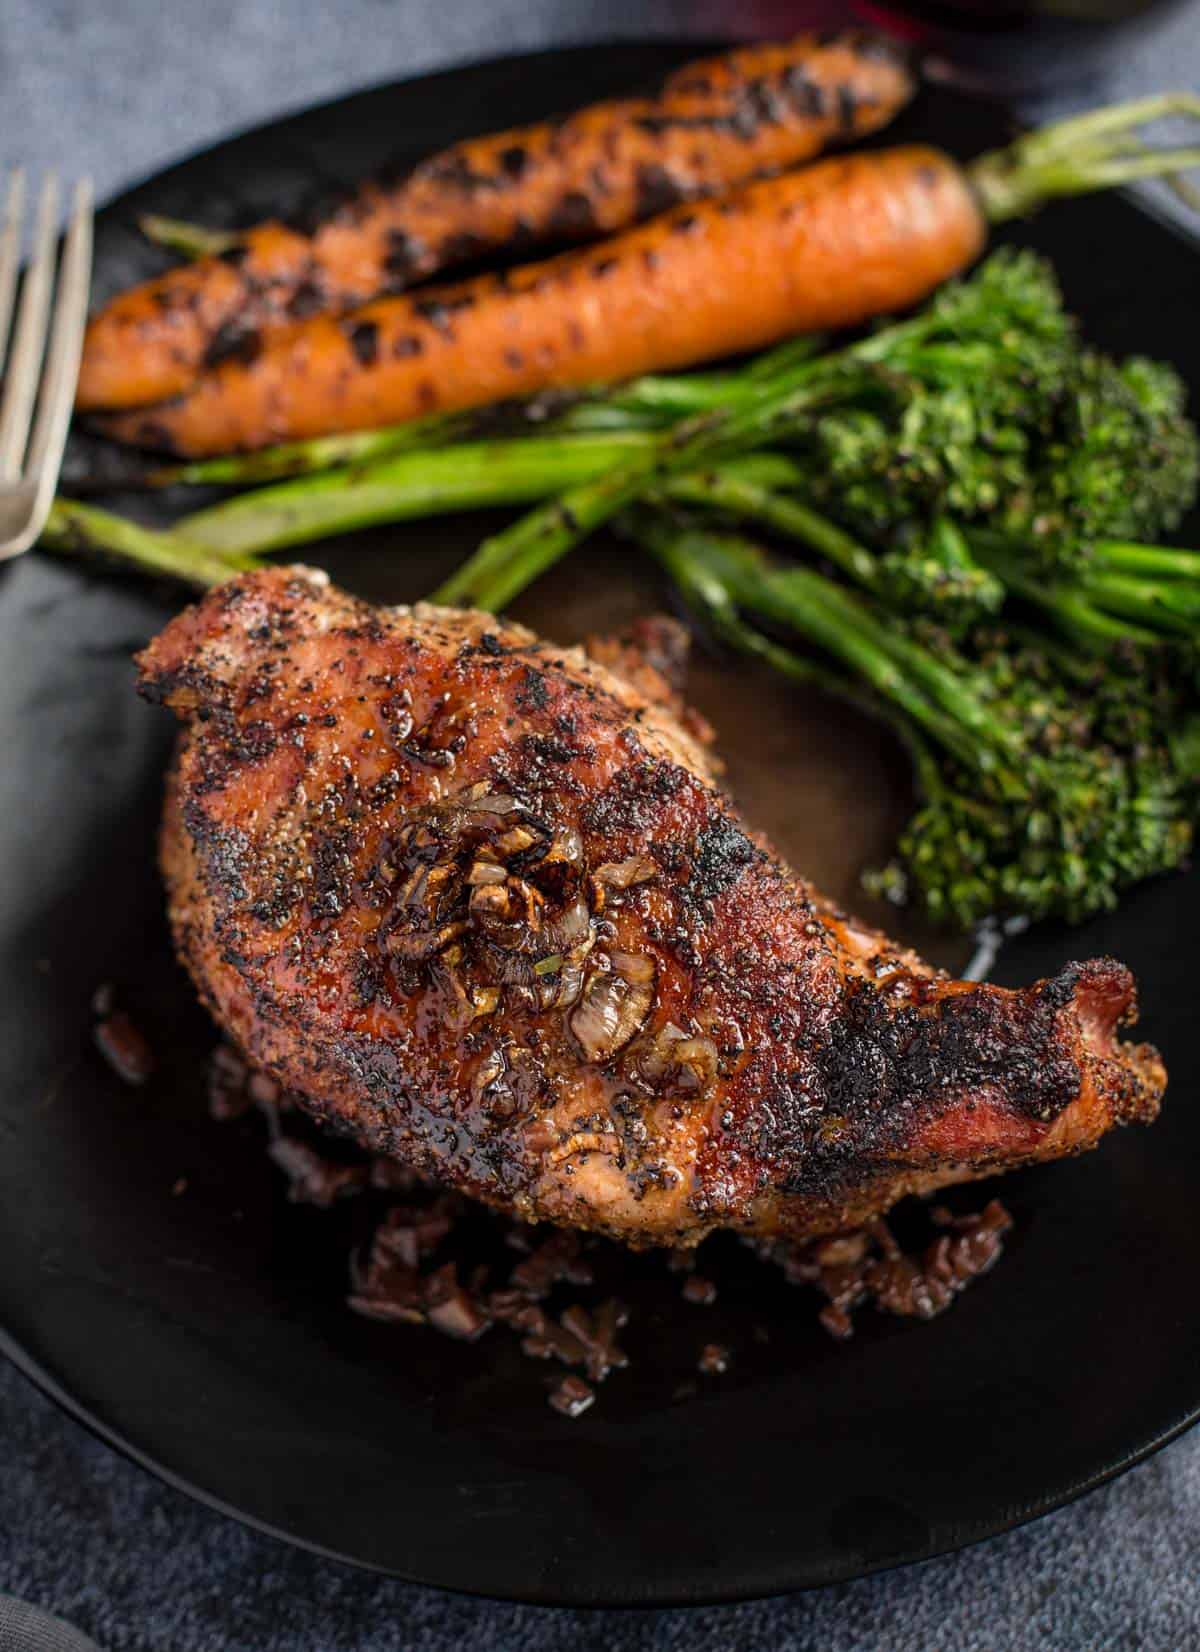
column 755, row 498
column 941, row 579
column 512, row 559
column 947, row 706
column 76, row 529
column 557, row 414
column 1184, row 742
column 1164, row 560
column 710, row 599
column 471, row 476
column 1172, row 607
column 678, row 394
column 1101, row 604
column 319, row 453
column 1078, row 618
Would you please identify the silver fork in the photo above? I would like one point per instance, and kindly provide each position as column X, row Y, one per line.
column 40, row 366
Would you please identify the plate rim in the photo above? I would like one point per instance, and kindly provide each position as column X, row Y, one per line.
column 965, row 1538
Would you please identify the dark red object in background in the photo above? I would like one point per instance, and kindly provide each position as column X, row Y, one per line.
column 1000, row 46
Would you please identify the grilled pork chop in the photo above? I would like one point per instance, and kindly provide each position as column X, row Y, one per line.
column 481, row 901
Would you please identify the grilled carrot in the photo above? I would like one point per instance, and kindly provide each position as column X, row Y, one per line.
column 845, row 239
column 830, row 246
column 713, row 125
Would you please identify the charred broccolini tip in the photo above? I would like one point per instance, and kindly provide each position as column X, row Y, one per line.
column 1120, row 461
column 1110, row 798
column 1058, row 453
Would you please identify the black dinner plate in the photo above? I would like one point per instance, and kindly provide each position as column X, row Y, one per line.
column 154, row 1279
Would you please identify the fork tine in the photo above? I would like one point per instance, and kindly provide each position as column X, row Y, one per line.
column 59, row 375
column 62, row 354
column 21, row 374
column 10, row 249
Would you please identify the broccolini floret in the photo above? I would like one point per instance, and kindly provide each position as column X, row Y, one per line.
column 1121, row 462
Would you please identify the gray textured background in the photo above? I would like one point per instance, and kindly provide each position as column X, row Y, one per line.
column 120, row 87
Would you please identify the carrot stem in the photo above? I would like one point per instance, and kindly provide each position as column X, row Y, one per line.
column 188, row 240
column 1097, row 150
